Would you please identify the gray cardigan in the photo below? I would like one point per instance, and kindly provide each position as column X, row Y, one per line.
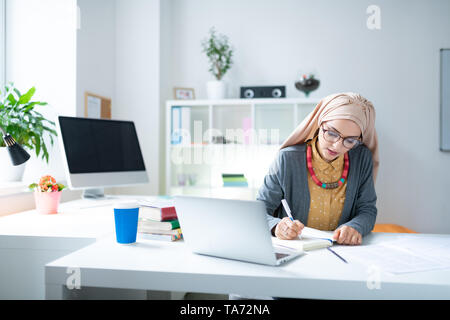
column 288, row 179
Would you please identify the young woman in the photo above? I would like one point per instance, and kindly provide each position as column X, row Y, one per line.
column 326, row 171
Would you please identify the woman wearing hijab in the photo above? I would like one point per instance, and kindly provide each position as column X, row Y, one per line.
column 326, row 171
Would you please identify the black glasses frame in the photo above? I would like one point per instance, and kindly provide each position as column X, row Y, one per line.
column 358, row 140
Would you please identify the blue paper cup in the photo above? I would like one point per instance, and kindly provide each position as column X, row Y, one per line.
column 126, row 219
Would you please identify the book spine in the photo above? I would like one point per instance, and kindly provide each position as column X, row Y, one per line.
column 234, row 179
column 158, row 231
column 231, row 175
column 161, row 237
column 176, row 125
column 168, row 213
column 163, row 225
column 235, row 184
column 175, row 224
column 185, row 123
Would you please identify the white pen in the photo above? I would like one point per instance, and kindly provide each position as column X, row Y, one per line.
column 288, row 211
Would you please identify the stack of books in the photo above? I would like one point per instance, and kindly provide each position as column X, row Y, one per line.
column 158, row 221
column 234, row 180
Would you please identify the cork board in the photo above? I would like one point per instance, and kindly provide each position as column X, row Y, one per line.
column 96, row 106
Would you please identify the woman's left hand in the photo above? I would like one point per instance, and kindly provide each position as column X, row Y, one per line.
column 347, row 235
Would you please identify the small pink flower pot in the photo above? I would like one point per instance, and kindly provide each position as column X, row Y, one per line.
column 47, row 202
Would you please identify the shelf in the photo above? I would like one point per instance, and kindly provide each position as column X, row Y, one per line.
column 226, row 146
column 256, row 129
column 273, row 122
column 14, row 187
column 214, row 188
column 216, row 192
column 195, row 103
column 221, row 156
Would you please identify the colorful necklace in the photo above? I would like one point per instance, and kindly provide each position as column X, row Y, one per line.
column 332, row 185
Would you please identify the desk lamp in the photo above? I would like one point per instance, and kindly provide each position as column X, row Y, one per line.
column 17, row 154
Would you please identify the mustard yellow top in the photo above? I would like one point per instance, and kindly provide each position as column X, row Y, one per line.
column 325, row 207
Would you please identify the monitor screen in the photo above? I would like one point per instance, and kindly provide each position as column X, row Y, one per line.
column 100, row 145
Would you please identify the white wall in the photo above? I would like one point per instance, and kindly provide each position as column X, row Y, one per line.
column 117, row 57
column 397, row 68
column 41, row 52
column 137, row 80
column 96, row 44
column 166, row 82
column 2, row 42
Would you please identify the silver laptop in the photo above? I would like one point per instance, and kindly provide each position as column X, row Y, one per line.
column 233, row 229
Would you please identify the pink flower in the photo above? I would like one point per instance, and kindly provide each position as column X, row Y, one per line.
column 47, row 184
column 47, row 179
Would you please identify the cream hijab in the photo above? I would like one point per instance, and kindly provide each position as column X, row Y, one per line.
column 349, row 105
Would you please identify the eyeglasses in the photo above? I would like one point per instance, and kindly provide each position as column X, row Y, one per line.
column 333, row 137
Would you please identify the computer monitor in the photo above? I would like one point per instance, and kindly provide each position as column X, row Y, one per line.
column 99, row 153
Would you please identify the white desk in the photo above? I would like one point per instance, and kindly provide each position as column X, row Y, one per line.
column 29, row 240
column 154, row 265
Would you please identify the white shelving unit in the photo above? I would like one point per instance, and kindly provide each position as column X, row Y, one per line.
column 254, row 130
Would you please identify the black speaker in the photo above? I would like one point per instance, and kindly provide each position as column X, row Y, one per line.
column 263, row 92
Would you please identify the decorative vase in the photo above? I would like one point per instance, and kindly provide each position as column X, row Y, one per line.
column 307, row 84
column 216, row 89
column 9, row 172
column 47, row 202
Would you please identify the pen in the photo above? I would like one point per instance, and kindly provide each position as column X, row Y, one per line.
column 288, row 211
column 337, row 255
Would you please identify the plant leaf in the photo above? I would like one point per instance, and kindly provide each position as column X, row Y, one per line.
column 27, row 96
column 11, row 99
column 32, row 186
column 26, row 125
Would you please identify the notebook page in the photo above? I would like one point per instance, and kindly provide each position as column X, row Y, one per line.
column 310, row 239
column 301, row 245
column 318, row 234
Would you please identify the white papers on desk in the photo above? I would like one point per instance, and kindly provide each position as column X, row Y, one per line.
column 404, row 255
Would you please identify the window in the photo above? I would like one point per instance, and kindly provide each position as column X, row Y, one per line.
column 2, row 42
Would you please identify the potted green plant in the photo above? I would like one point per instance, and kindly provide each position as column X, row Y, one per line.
column 220, row 54
column 26, row 125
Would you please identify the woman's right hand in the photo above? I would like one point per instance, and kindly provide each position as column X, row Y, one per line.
column 287, row 229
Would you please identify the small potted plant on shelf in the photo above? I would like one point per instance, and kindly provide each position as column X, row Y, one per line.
column 27, row 126
column 219, row 53
column 47, row 194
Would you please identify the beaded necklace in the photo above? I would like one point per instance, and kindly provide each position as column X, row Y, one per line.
column 331, row 185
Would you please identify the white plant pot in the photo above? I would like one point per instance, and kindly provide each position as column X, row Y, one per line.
column 8, row 172
column 216, row 89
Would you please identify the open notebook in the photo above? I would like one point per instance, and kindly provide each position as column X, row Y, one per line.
column 311, row 239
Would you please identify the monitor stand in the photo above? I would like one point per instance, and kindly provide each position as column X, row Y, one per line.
column 94, row 193
column 95, row 197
